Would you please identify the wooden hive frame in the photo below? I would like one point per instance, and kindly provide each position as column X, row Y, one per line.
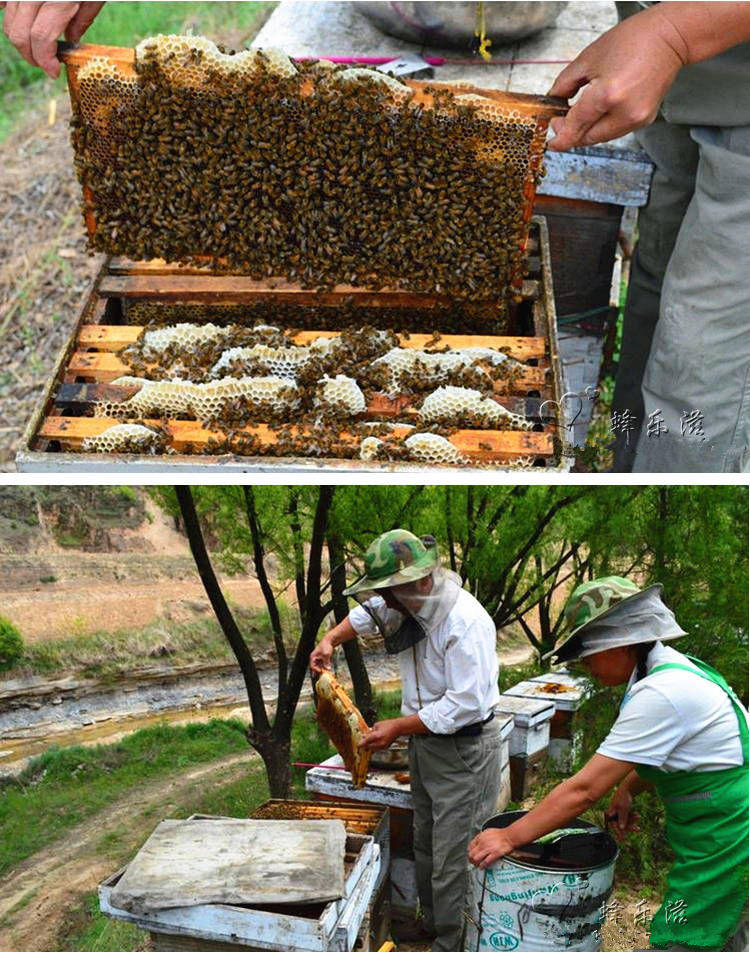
column 540, row 109
column 88, row 363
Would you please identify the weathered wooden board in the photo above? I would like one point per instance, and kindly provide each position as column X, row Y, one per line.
column 607, row 175
column 235, row 862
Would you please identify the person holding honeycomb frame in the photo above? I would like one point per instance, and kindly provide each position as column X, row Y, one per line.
column 681, row 72
column 446, row 645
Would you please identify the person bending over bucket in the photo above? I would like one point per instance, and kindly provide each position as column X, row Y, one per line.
column 682, row 731
column 446, row 645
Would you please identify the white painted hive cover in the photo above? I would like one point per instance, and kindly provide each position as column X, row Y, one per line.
column 186, row 863
column 565, row 690
column 526, row 711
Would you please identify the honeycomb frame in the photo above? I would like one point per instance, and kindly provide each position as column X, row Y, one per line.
column 491, row 201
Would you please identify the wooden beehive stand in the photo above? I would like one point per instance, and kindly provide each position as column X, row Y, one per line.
column 90, row 363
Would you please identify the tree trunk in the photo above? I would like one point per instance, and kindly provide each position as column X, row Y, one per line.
column 276, row 754
column 352, row 651
column 221, row 608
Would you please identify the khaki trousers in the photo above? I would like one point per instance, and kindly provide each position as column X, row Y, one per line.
column 455, row 785
column 684, row 372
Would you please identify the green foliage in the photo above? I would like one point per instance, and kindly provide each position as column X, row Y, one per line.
column 11, row 644
column 127, row 493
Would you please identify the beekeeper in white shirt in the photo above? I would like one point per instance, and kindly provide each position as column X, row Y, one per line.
column 446, row 645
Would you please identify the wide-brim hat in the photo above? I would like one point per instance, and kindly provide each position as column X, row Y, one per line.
column 589, row 603
column 396, row 557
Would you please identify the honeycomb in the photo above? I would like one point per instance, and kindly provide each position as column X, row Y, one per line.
column 434, row 449
column 125, row 438
column 344, row 725
column 260, row 395
column 342, row 395
column 188, row 60
column 321, row 174
column 371, row 76
column 453, row 404
column 403, row 364
column 278, row 361
column 369, row 448
column 182, row 336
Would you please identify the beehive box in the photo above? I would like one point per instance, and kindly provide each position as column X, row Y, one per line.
column 333, row 926
column 357, row 231
column 531, row 722
column 358, row 818
column 65, row 420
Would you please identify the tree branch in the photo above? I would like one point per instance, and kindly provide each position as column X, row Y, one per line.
column 221, row 608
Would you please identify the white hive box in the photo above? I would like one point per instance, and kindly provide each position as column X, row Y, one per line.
column 531, row 721
column 329, row 926
column 566, row 692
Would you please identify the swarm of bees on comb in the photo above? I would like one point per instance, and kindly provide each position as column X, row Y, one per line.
column 321, row 398
column 257, row 164
column 323, row 174
column 340, row 719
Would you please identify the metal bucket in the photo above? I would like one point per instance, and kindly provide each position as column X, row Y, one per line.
column 544, row 897
column 452, row 24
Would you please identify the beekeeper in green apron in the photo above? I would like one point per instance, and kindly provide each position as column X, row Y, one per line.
column 681, row 731
column 679, row 74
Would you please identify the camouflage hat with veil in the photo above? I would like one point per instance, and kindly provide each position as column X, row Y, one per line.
column 406, row 572
column 614, row 612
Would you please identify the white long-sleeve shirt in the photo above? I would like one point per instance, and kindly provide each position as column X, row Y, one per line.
column 450, row 678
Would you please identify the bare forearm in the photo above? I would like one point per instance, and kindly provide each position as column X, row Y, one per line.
column 558, row 808
column 341, row 633
column 698, row 31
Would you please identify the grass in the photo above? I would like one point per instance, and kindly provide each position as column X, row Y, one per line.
column 25, row 90
column 86, row 929
column 63, row 788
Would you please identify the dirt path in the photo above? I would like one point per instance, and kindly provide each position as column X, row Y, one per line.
column 51, row 880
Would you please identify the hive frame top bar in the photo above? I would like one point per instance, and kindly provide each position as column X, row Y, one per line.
column 74, row 57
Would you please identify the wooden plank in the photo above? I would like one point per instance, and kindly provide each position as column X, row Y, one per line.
column 604, row 174
column 478, row 445
column 103, row 366
column 114, row 337
column 80, row 398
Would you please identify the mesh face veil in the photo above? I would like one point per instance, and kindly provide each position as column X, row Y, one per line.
column 407, row 613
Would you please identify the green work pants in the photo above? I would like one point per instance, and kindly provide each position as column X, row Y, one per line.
column 455, row 786
column 683, row 382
